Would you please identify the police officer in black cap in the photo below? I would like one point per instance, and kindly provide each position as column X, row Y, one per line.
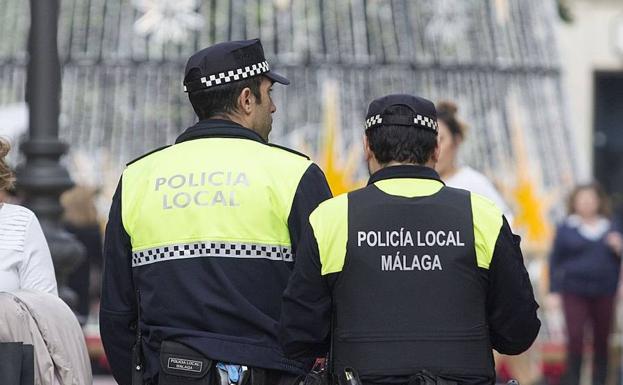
column 408, row 280
column 202, row 237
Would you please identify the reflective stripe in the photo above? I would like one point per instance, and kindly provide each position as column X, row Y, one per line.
column 212, row 249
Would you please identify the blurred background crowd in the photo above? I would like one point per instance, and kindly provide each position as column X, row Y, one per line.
column 530, row 100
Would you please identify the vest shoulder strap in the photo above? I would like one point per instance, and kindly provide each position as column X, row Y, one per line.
column 289, row 150
column 488, row 222
column 329, row 223
column 147, row 154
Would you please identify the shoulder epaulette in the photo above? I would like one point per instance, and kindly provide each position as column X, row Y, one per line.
column 149, row 153
column 289, row 150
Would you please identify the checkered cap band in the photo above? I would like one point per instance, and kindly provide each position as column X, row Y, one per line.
column 419, row 120
column 212, row 249
column 373, row 120
column 232, row 75
column 425, row 121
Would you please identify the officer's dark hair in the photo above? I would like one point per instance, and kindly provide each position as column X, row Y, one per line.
column 447, row 112
column 404, row 144
column 221, row 99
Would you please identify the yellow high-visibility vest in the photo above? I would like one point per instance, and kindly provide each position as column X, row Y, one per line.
column 223, row 197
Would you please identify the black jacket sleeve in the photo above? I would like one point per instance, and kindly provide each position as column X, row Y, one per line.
column 511, row 307
column 118, row 312
column 311, row 191
column 306, row 308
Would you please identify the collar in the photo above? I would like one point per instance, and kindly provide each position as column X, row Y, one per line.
column 218, row 128
column 593, row 231
column 405, row 171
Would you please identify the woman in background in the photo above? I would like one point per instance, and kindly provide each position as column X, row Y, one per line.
column 451, row 134
column 25, row 261
column 584, row 268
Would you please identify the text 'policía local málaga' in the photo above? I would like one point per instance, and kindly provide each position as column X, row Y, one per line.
column 401, row 261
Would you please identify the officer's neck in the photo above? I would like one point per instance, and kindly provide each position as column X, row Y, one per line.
column 375, row 166
column 238, row 119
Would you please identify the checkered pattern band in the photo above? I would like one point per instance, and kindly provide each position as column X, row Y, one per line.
column 231, row 76
column 373, row 120
column 212, row 249
column 419, row 120
column 425, row 121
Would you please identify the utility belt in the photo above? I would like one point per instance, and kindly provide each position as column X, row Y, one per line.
column 182, row 365
column 351, row 377
column 321, row 375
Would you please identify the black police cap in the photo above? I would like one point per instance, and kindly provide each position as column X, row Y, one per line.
column 227, row 62
column 422, row 112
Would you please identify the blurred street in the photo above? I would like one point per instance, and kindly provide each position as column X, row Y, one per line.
column 104, row 380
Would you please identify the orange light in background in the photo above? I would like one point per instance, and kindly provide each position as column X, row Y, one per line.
column 530, row 214
column 340, row 174
column 531, row 206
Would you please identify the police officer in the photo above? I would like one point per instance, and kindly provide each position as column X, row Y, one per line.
column 202, row 235
column 409, row 280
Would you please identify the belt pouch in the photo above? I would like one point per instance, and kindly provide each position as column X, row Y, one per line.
column 181, row 365
column 425, row 377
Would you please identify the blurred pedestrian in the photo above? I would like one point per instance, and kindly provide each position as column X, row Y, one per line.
column 584, row 269
column 80, row 219
column 452, row 131
column 25, row 261
column 202, row 235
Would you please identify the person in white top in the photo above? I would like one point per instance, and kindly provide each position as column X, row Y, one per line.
column 451, row 134
column 25, row 261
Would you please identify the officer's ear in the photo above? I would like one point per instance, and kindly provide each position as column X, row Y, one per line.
column 246, row 101
column 436, row 152
column 366, row 149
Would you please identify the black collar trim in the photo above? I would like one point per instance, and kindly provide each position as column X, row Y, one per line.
column 218, row 128
column 405, row 171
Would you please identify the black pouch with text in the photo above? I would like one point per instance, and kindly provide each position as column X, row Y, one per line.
column 181, row 365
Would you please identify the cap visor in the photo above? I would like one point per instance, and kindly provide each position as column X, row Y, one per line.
column 276, row 77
